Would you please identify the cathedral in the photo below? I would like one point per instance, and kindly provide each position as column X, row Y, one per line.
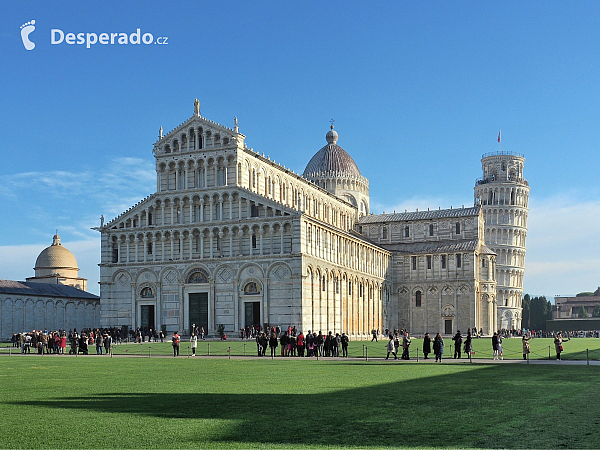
column 231, row 238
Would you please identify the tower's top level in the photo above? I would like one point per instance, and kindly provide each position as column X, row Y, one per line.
column 502, row 167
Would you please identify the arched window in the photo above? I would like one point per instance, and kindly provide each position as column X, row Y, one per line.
column 146, row 293
column 430, row 229
column 384, row 233
column 457, row 227
column 418, row 299
column 406, row 231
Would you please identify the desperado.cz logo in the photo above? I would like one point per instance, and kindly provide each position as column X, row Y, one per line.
column 58, row 36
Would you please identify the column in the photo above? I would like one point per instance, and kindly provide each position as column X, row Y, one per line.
column 230, row 243
column 172, row 214
column 239, row 207
column 231, row 207
column 133, row 309
column 145, row 249
column 281, row 230
column 162, row 249
column 127, row 250
column 185, row 176
column 236, row 304
column 220, row 209
column 135, row 241
column 191, row 238
column 171, row 241
column 201, row 245
column 158, row 304
column 211, row 210
column 211, row 244
column 191, row 210
column 260, row 237
column 266, row 306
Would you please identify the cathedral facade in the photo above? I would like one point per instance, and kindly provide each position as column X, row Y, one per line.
column 232, row 238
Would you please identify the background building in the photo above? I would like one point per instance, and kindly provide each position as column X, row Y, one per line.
column 55, row 298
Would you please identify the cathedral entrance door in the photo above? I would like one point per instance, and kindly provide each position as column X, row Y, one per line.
column 448, row 326
column 147, row 317
column 252, row 313
column 198, row 303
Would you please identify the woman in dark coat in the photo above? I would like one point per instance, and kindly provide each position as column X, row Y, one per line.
column 426, row 345
column 438, row 347
column 469, row 344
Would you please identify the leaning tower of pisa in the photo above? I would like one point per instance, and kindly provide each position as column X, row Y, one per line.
column 503, row 194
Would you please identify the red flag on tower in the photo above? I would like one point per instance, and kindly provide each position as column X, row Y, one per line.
column 498, row 136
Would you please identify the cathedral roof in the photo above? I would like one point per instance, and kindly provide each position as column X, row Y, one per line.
column 25, row 289
column 56, row 256
column 421, row 215
column 331, row 160
column 434, row 247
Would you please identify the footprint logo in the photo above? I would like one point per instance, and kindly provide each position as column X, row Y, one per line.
column 26, row 30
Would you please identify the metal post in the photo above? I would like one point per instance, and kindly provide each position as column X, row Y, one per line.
column 527, row 358
column 188, row 347
column 229, row 351
column 548, row 353
column 208, row 344
column 244, row 349
column 417, row 354
column 363, row 350
column 587, row 356
column 149, row 351
column 366, row 353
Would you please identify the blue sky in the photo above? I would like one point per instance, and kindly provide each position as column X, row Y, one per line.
column 418, row 91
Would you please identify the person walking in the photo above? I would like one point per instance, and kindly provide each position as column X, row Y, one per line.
column 457, row 344
column 526, row 349
column 194, row 341
column 469, row 344
column 273, row 345
column 500, row 350
column 391, row 348
column 426, row 345
column 438, row 347
column 344, row 343
column 175, row 342
column 495, row 345
column 405, row 346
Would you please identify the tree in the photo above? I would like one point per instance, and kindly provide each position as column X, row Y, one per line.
column 526, row 311
column 585, row 294
column 538, row 312
column 581, row 312
column 596, row 312
column 597, row 292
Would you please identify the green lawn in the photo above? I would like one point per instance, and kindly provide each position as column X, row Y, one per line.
column 513, row 349
column 91, row 402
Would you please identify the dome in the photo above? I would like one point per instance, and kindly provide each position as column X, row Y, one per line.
column 331, row 160
column 56, row 256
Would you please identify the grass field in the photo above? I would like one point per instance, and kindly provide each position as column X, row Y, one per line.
column 574, row 349
column 92, row 402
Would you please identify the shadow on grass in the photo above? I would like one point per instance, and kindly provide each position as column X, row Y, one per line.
column 492, row 407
